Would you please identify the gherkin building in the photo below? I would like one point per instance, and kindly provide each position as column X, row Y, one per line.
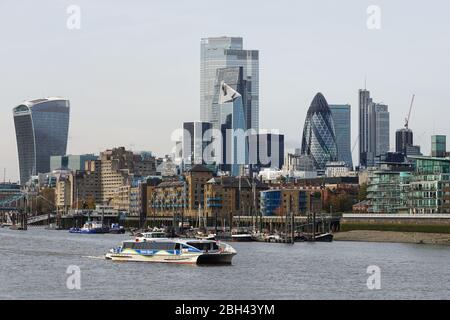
column 319, row 138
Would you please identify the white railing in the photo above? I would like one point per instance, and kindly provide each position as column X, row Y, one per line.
column 398, row 215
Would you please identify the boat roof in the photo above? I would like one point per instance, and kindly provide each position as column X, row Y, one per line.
column 177, row 240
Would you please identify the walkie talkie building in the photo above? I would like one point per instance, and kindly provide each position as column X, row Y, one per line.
column 42, row 128
column 319, row 138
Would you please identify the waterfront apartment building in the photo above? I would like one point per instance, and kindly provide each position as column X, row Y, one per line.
column 387, row 188
column 168, row 198
column 42, row 127
column 341, row 114
column 420, row 186
column 429, row 189
column 282, row 202
column 225, row 52
column 182, row 195
column 232, row 196
column 196, row 179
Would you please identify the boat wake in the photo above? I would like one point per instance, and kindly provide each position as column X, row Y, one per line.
column 94, row 257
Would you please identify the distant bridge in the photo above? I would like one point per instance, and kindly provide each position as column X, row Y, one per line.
column 40, row 218
column 6, row 204
column 12, row 212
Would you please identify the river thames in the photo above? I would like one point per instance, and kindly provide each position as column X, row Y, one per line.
column 34, row 263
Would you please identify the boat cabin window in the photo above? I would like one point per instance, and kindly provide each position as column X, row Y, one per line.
column 153, row 235
column 149, row 245
column 204, row 245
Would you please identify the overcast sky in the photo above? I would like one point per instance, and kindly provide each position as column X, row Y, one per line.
column 132, row 71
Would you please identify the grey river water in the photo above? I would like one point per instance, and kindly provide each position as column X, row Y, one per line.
column 33, row 265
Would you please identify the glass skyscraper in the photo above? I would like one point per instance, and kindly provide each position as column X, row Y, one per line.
column 373, row 129
column 42, row 128
column 379, row 143
column 232, row 125
column 438, row 146
column 70, row 162
column 319, row 139
column 364, row 101
column 195, row 141
column 224, row 52
column 341, row 114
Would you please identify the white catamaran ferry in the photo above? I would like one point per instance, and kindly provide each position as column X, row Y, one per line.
column 187, row 251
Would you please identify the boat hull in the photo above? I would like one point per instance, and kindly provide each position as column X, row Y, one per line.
column 201, row 259
column 89, row 231
column 215, row 259
column 242, row 238
column 117, row 231
column 326, row 237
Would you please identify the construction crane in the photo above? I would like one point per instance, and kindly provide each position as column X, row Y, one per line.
column 409, row 114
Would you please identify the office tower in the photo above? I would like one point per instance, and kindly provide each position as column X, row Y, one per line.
column 225, row 52
column 341, row 114
column 195, row 142
column 373, row 129
column 70, row 162
column 438, row 146
column 319, row 139
column 403, row 138
column 364, row 102
column 266, row 150
column 412, row 151
column 42, row 128
column 232, row 126
column 378, row 132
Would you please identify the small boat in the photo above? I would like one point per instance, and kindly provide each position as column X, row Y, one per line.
column 116, row 229
column 242, row 237
column 91, row 227
column 16, row 227
column 323, row 237
column 142, row 236
column 165, row 250
column 202, row 236
column 273, row 238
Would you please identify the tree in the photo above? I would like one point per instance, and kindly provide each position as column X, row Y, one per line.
column 46, row 201
column 362, row 193
column 90, row 203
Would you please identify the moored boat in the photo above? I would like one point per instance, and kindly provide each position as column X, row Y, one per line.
column 242, row 237
column 322, row 237
column 116, row 229
column 91, row 227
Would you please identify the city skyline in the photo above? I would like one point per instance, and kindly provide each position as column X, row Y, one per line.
column 130, row 115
